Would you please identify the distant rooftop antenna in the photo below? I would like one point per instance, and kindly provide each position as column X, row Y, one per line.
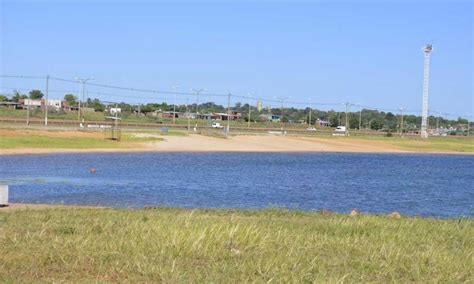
column 426, row 81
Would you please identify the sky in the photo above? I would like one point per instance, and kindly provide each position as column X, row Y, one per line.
column 367, row 53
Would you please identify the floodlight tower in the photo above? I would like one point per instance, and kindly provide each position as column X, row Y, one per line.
column 426, row 80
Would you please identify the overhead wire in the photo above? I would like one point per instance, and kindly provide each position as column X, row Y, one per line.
column 287, row 102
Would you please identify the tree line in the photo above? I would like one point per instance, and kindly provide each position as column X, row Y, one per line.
column 363, row 119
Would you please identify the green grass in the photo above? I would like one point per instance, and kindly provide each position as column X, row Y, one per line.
column 34, row 141
column 17, row 142
column 21, row 114
column 172, row 245
column 433, row 144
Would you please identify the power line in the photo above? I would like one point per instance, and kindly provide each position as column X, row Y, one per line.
column 151, row 91
column 22, row 77
column 160, row 92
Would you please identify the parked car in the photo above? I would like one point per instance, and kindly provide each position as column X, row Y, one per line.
column 216, row 125
column 339, row 131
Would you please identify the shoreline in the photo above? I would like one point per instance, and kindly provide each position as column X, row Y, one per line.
column 32, row 206
column 62, row 151
column 67, row 143
column 12, row 207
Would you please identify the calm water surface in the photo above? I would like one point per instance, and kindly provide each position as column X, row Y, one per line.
column 426, row 185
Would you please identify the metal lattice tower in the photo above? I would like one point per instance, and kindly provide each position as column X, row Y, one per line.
column 426, row 81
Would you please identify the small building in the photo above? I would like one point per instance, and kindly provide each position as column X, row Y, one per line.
column 320, row 122
column 115, row 110
column 269, row 118
column 31, row 103
column 207, row 116
column 72, row 108
column 186, row 115
column 168, row 114
column 234, row 115
column 12, row 105
column 52, row 104
column 57, row 104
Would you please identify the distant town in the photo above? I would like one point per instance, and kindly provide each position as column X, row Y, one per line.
column 34, row 103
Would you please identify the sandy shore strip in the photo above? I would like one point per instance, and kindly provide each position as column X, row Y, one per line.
column 244, row 143
column 200, row 143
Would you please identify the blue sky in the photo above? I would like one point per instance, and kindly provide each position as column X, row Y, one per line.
column 362, row 52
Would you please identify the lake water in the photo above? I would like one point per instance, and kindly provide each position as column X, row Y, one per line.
column 425, row 185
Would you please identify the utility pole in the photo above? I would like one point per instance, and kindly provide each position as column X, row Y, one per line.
column 28, row 113
column 46, row 102
column 360, row 118
column 228, row 114
column 79, row 111
column 468, row 127
column 310, row 110
column 197, row 92
column 282, row 116
column 83, row 81
column 116, row 123
column 347, row 120
column 188, row 114
column 401, row 121
column 174, row 103
column 309, row 120
column 445, row 117
column 248, row 120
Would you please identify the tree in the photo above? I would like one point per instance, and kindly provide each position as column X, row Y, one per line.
column 354, row 122
column 95, row 104
column 376, row 124
column 333, row 119
column 16, row 97
column 36, row 94
column 3, row 98
column 70, row 99
column 237, row 107
column 462, row 120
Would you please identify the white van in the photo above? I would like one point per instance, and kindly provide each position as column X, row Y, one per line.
column 339, row 131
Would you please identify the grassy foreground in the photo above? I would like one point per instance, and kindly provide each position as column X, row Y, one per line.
column 44, row 140
column 173, row 245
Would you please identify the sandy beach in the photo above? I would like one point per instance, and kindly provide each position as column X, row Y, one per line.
column 200, row 143
column 46, row 142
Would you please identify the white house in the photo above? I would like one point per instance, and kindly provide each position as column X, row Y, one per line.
column 115, row 110
column 55, row 103
column 32, row 103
